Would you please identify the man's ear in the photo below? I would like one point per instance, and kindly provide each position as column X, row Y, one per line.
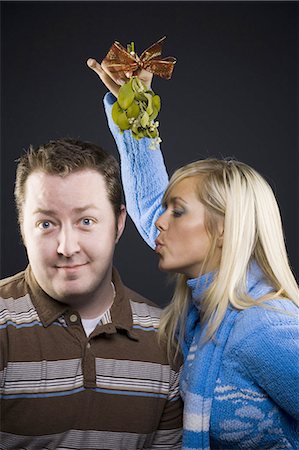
column 22, row 234
column 121, row 223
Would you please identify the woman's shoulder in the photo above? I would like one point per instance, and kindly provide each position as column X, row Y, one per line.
column 271, row 318
column 272, row 311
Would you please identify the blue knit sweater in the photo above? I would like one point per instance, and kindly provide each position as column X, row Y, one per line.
column 240, row 389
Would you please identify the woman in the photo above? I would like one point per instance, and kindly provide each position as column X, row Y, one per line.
column 234, row 312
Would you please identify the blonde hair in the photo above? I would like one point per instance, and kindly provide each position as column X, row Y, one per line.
column 234, row 193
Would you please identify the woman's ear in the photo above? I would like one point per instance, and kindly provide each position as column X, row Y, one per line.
column 220, row 235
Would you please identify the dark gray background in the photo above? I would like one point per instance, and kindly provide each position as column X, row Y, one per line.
column 233, row 93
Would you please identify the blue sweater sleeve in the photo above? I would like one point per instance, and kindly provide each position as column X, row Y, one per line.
column 270, row 355
column 144, row 177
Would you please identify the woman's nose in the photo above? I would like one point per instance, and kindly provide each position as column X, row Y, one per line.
column 162, row 223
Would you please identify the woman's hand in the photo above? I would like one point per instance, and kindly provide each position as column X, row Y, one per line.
column 111, row 81
column 115, row 80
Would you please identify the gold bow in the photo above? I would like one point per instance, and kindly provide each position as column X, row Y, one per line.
column 118, row 59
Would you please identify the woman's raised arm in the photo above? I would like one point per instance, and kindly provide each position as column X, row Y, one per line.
column 143, row 171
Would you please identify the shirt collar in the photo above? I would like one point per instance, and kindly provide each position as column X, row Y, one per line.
column 47, row 308
column 121, row 312
column 50, row 310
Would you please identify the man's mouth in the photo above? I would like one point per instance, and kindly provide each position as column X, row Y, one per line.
column 70, row 266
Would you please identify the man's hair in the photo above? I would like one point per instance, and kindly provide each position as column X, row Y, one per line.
column 63, row 157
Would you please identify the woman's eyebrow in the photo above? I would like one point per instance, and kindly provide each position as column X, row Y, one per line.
column 174, row 199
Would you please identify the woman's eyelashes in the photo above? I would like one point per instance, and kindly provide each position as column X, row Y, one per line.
column 177, row 212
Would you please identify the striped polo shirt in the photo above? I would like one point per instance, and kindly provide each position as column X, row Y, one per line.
column 59, row 389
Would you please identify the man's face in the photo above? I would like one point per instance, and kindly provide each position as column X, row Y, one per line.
column 69, row 232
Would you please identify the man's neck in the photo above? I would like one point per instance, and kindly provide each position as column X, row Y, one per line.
column 98, row 306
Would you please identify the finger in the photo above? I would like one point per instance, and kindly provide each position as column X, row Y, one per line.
column 94, row 65
column 146, row 77
column 117, row 77
column 112, row 85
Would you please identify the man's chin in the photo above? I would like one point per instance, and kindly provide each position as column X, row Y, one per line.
column 70, row 296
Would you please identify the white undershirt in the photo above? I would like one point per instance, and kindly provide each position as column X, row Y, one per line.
column 90, row 324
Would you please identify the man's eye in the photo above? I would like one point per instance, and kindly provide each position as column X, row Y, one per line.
column 45, row 225
column 87, row 222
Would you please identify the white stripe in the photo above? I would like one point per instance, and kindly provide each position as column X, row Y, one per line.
column 42, row 377
column 43, row 370
column 91, row 439
column 145, row 315
column 196, row 422
column 18, row 311
column 137, row 385
column 225, row 388
column 44, row 387
column 133, row 369
column 240, row 395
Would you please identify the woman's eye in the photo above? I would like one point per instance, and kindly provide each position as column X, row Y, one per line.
column 177, row 213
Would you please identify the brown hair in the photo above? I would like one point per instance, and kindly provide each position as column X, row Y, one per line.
column 62, row 157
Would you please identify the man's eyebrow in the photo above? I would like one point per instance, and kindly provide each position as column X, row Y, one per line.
column 51, row 212
column 84, row 208
column 46, row 212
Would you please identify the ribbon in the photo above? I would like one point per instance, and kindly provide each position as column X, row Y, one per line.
column 118, row 59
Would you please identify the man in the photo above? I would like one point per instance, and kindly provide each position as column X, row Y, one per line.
column 80, row 367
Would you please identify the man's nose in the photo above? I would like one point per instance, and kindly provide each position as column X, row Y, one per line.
column 68, row 243
column 162, row 222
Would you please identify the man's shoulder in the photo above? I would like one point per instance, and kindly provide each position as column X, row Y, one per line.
column 130, row 294
column 13, row 286
column 145, row 313
column 140, row 299
column 146, row 317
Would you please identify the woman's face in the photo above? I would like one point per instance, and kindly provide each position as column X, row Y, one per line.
column 183, row 242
